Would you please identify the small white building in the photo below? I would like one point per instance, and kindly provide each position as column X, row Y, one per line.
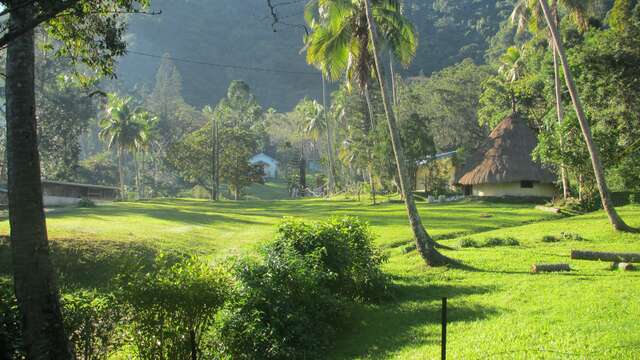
column 269, row 164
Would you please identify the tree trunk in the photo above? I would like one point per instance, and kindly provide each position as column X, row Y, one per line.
column 137, row 169
column 332, row 164
column 217, row 160
column 34, row 278
column 394, row 85
column 605, row 196
column 539, row 268
column 605, row 256
column 372, row 184
column 123, row 195
column 425, row 245
column 214, row 146
column 558, row 95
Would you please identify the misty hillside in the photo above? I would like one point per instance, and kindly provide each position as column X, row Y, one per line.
column 240, row 33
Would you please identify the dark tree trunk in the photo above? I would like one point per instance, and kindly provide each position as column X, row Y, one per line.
column 596, row 162
column 425, row 245
column 34, row 278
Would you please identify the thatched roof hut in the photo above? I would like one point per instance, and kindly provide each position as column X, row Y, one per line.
column 503, row 165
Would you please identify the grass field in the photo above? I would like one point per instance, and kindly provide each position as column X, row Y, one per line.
column 497, row 310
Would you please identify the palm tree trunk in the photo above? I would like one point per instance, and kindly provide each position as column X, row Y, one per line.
column 142, row 173
column 605, row 195
column 137, row 170
column 34, row 278
column 558, row 95
column 332, row 164
column 394, row 85
column 123, row 195
column 372, row 183
column 425, row 245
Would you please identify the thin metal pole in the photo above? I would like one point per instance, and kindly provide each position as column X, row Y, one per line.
column 444, row 328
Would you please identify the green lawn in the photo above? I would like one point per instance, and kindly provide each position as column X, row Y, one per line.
column 497, row 309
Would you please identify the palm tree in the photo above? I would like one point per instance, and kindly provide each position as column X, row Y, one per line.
column 528, row 13
column 596, row 162
column 123, row 129
column 344, row 40
column 512, row 69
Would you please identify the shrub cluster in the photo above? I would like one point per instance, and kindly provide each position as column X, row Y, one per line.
column 564, row 236
column 86, row 203
column 291, row 304
column 489, row 242
column 287, row 303
column 550, row 239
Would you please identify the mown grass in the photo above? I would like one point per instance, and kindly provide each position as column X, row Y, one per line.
column 497, row 309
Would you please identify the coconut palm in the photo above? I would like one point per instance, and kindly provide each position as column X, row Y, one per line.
column 594, row 153
column 512, row 69
column 528, row 14
column 124, row 129
column 344, row 42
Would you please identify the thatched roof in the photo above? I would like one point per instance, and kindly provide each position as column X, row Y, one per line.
column 505, row 157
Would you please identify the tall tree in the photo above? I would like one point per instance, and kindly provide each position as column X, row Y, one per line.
column 89, row 32
column 598, row 170
column 124, row 129
column 34, row 278
column 345, row 38
column 316, row 124
column 528, row 14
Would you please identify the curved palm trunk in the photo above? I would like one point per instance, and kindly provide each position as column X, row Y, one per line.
column 605, row 195
column 558, row 95
column 332, row 164
column 34, row 279
column 425, row 245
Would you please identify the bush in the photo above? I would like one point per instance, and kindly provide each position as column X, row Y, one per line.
column 493, row 241
column 550, row 239
column 283, row 309
column 634, row 198
column 86, row 203
column 91, row 321
column 10, row 327
column 345, row 248
column 291, row 304
column 511, row 241
column 497, row 241
column 468, row 243
column 173, row 307
column 569, row 236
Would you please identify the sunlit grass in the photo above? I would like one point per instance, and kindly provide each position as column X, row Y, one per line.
column 497, row 309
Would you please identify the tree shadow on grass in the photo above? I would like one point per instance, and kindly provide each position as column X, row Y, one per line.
column 90, row 264
column 183, row 216
column 379, row 330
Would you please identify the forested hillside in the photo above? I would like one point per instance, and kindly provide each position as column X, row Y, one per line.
column 240, row 33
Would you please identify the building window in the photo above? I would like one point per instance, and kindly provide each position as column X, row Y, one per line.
column 526, row 184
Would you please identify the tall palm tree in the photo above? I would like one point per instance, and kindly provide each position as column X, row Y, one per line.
column 344, row 41
column 528, row 14
column 316, row 124
column 123, row 129
column 594, row 153
column 512, row 69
